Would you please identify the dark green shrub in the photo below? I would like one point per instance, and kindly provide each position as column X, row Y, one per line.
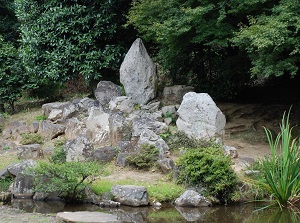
column 68, row 179
column 144, row 158
column 5, row 183
column 31, row 138
column 59, row 156
column 208, row 168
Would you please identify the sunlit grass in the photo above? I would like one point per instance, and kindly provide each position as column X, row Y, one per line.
column 158, row 191
column 8, row 158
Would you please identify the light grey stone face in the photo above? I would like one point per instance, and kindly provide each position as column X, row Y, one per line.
column 79, row 149
column 130, row 195
column 149, row 137
column 138, row 74
column 200, row 118
column 192, row 198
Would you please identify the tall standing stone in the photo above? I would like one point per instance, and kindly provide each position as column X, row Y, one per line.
column 138, row 74
column 200, row 118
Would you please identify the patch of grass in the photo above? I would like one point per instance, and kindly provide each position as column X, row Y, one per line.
column 158, row 191
column 8, row 158
column 5, row 148
column 27, row 115
column 164, row 191
column 40, row 118
column 31, row 138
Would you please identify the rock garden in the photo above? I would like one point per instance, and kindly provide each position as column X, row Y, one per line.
column 78, row 150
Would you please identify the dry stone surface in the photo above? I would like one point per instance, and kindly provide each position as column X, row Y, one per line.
column 138, row 74
column 200, row 118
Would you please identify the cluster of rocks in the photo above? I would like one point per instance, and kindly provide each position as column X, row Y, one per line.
column 95, row 127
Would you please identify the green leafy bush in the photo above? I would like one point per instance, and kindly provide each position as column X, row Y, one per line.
column 68, row 179
column 208, row 168
column 5, row 183
column 144, row 158
column 31, row 138
column 59, row 156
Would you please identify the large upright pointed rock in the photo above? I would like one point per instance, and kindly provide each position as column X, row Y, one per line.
column 138, row 74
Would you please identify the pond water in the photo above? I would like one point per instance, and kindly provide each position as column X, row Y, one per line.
column 244, row 213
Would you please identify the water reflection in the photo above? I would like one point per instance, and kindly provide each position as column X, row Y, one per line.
column 171, row 214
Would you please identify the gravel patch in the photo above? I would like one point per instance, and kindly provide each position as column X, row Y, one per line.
column 12, row 215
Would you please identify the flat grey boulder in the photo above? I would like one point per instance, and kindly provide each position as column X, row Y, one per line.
column 97, row 125
column 107, row 91
column 49, row 130
column 173, row 95
column 33, row 151
column 15, row 169
column 87, row 216
column 141, row 123
column 200, row 118
column 191, row 198
column 60, row 110
column 138, row 74
column 79, row 149
column 23, row 187
column 130, row 195
column 122, row 103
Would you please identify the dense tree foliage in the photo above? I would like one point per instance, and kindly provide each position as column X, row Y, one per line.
column 193, row 40
column 272, row 40
column 213, row 43
column 8, row 21
column 216, row 46
column 12, row 78
column 61, row 39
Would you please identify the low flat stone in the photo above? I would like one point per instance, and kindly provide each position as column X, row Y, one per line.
column 87, row 216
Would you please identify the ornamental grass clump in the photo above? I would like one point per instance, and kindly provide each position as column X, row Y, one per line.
column 281, row 170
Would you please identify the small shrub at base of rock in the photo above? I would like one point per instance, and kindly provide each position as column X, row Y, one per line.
column 181, row 140
column 59, row 156
column 31, row 138
column 209, row 168
column 5, row 148
column 5, row 183
column 144, row 158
